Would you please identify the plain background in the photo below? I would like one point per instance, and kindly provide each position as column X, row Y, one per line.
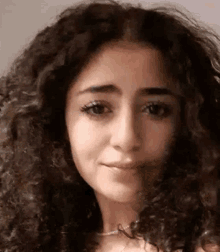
column 20, row 20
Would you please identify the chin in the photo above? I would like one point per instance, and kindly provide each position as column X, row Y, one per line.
column 121, row 196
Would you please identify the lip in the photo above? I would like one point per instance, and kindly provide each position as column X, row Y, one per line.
column 124, row 166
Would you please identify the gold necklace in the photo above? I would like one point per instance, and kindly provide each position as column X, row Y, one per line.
column 114, row 232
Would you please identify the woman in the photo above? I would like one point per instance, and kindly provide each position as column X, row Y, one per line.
column 110, row 137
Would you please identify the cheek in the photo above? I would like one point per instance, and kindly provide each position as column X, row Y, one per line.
column 85, row 142
column 158, row 142
column 158, row 139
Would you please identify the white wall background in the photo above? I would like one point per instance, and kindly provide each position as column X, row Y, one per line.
column 20, row 20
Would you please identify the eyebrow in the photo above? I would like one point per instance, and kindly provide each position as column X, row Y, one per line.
column 112, row 89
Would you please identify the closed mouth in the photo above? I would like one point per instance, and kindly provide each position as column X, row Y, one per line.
column 124, row 166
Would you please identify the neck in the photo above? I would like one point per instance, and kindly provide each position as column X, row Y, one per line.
column 115, row 213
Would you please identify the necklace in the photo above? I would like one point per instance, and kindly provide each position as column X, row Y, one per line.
column 114, row 232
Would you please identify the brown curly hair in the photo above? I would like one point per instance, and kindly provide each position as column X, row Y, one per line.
column 41, row 192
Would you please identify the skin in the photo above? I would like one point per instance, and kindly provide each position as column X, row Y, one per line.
column 125, row 126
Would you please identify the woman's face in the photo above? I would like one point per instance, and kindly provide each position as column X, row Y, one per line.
column 121, row 114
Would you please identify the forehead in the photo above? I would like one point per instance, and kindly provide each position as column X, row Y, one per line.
column 128, row 65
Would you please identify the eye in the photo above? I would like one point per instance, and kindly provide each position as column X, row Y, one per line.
column 158, row 109
column 95, row 108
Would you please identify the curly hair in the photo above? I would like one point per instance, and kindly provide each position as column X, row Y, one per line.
column 42, row 194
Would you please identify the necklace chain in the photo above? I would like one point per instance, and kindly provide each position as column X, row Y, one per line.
column 113, row 232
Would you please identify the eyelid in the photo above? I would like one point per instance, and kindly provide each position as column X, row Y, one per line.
column 97, row 102
column 157, row 103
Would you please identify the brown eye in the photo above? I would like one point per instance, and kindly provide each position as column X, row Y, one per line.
column 157, row 109
column 95, row 109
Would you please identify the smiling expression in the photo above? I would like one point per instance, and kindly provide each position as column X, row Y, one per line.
column 121, row 112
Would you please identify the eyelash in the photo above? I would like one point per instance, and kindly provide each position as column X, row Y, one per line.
column 95, row 104
column 164, row 109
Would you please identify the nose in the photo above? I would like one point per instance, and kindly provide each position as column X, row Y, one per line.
column 126, row 132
